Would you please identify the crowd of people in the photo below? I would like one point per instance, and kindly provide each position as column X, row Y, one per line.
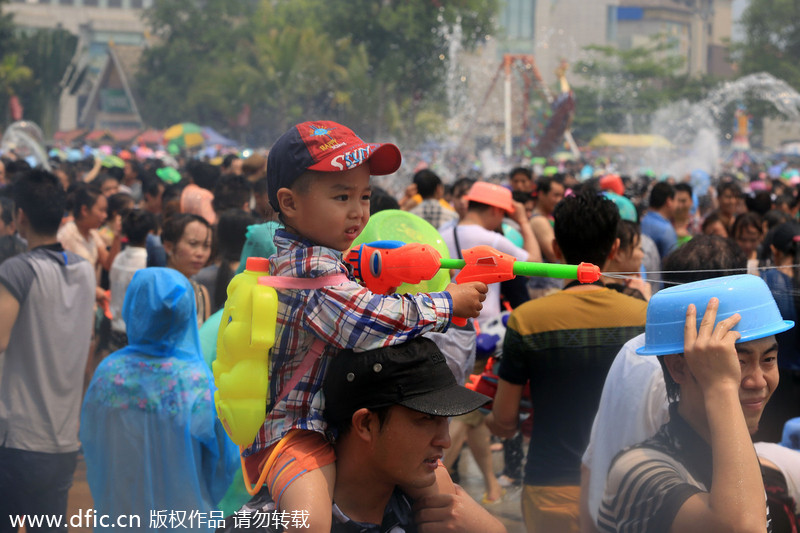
column 113, row 280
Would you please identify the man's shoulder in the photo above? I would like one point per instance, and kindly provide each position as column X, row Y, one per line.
column 565, row 309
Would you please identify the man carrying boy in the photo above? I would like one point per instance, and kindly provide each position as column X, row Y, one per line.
column 318, row 179
column 700, row 471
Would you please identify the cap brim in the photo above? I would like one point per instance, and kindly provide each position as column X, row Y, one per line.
column 385, row 159
column 453, row 400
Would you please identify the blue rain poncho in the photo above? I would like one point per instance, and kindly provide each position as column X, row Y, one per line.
column 150, row 435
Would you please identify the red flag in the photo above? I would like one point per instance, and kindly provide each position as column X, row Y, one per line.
column 15, row 108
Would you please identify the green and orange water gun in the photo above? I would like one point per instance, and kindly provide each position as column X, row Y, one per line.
column 385, row 265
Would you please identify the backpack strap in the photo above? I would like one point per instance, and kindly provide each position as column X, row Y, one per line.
column 317, row 347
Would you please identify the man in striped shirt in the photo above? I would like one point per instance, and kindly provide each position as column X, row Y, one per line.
column 700, row 471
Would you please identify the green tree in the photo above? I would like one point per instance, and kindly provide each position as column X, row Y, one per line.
column 771, row 40
column 373, row 65
column 194, row 40
column 47, row 53
column 624, row 87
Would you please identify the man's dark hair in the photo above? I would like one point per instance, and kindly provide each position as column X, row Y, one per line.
column 703, row 257
column 586, row 227
column 427, row 182
column 231, row 235
column 231, row 192
column 732, row 186
column 627, row 233
column 544, row 183
column 380, row 200
column 521, row 170
column 683, row 187
column 760, row 202
column 260, row 186
column 521, row 197
column 43, row 200
column 6, row 210
column 203, row 174
column 151, row 185
column 228, row 160
column 462, row 186
column 661, row 192
column 136, row 224
column 344, row 426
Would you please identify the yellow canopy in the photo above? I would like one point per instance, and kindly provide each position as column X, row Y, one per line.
column 629, row 141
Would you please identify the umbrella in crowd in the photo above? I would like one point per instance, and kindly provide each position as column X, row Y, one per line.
column 184, row 135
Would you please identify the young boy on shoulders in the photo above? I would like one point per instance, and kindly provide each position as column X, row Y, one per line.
column 318, row 177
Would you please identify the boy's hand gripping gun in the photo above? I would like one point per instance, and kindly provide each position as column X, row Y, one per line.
column 385, row 265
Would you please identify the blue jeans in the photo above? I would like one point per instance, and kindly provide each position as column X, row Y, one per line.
column 34, row 483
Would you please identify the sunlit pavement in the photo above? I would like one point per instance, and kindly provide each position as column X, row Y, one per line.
column 508, row 510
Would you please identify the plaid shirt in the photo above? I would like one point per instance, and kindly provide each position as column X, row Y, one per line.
column 344, row 316
column 434, row 212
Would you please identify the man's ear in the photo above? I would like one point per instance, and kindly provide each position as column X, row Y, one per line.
column 365, row 423
column 613, row 252
column 557, row 250
column 286, row 200
column 677, row 368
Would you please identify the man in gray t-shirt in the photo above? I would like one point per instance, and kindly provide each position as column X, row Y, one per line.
column 46, row 307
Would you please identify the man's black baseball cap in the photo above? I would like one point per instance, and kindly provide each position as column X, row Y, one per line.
column 413, row 374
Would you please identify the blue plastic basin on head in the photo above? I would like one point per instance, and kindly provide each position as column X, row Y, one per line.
column 745, row 294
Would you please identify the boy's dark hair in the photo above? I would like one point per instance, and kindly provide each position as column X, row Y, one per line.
column 586, row 227
column 427, row 182
column 683, row 187
column 703, row 257
column 231, row 192
column 661, row 192
column 521, row 170
column 136, row 224
column 43, row 200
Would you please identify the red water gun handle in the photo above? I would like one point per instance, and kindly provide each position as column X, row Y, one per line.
column 484, row 263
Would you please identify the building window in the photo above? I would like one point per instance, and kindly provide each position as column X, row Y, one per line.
column 66, row 2
column 612, row 16
column 44, row 1
column 91, row 3
column 518, row 19
column 137, row 4
column 114, row 3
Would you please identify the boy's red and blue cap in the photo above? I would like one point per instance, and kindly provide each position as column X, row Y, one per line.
column 324, row 146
